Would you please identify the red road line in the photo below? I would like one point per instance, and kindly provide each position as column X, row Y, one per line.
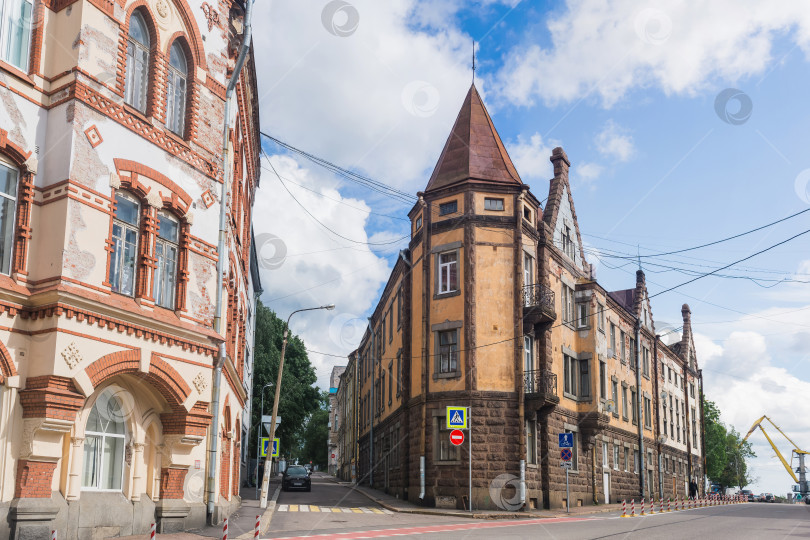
column 438, row 528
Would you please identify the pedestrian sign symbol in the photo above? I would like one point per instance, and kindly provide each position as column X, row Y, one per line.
column 566, row 440
column 265, row 443
column 457, row 417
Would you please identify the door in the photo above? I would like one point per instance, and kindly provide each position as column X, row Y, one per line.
column 606, row 484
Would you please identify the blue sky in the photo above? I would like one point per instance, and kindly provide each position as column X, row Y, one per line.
column 629, row 90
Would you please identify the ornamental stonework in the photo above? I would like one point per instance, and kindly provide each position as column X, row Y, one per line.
column 72, row 356
column 200, row 382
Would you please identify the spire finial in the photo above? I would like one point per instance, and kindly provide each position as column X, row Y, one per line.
column 473, row 61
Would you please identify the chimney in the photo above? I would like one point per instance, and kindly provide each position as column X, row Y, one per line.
column 560, row 161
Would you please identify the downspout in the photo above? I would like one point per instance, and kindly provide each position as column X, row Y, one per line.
column 221, row 260
column 639, row 416
column 702, row 433
column 373, row 406
column 657, row 427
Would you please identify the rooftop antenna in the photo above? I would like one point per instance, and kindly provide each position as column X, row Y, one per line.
column 638, row 254
column 473, row 63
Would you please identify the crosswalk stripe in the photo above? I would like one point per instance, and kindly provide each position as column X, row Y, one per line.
column 387, row 511
column 293, row 508
column 304, row 508
column 346, row 510
column 377, row 511
column 336, row 510
column 314, row 508
column 282, row 508
column 357, row 511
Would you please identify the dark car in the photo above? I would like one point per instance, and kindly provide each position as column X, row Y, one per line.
column 296, row 477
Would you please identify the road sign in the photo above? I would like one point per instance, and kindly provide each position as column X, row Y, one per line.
column 265, row 441
column 566, row 454
column 457, row 417
column 267, row 419
column 565, row 464
column 566, row 440
column 457, row 437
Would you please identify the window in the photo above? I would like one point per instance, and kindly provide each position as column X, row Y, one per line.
column 493, row 204
column 176, row 90
column 602, row 379
column 399, row 372
column 448, row 272
column 646, row 361
column 605, row 455
column 615, row 398
column 528, row 270
column 665, row 417
column 634, row 405
column 616, row 457
column 635, row 461
column 166, row 247
column 567, row 304
column 390, row 323
column 528, row 355
column 647, row 415
column 104, row 440
column 601, row 318
column 574, row 450
column 16, row 32
column 623, row 357
column 632, row 352
column 626, row 459
column 450, row 207
column 137, row 62
column 382, row 341
column 390, row 381
column 531, row 442
column 448, row 351
column 694, row 428
column 613, row 339
column 418, row 224
column 568, row 243
column 399, row 308
column 8, row 206
column 692, row 390
column 582, row 315
column 624, row 401
column 447, row 450
column 670, row 374
column 577, row 381
column 125, row 244
column 527, row 214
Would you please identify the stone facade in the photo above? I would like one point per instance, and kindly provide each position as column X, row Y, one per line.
column 107, row 338
column 497, row 310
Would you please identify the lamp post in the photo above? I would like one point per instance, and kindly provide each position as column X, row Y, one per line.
column 269, row 458
column 259, row 439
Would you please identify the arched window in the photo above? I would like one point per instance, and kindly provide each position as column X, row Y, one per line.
column 15, row 32
column 137, row 62
column 125, row 243
column 104, row 441
column 176, row 89
column 8, row 206
column 166, row 248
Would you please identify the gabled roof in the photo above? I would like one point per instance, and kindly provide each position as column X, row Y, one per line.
column 473, row 150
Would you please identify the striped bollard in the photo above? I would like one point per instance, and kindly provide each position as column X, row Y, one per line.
column 624, row 507
column 258, row 526
column 53, row 535
column 225, row 530
column 642, row 507
column 152, row 531
column 669, row 504
column 661, row 502
column 652, row 506
column 632, row 508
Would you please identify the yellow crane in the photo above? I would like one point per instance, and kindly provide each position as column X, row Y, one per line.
column 803, row 486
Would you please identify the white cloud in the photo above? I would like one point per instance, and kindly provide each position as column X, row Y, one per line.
column 586, row 174
column 607, row 48
column 614, row 142
column 531, row 157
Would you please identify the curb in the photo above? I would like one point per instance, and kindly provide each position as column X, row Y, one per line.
column 267, row 515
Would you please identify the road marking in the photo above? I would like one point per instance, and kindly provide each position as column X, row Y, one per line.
column 293, row 508
column 314, row 508
column 377, row 511
column 303, row 508
column 357, row 511
column 282, row 508
column 346, row 510
column 331, row 509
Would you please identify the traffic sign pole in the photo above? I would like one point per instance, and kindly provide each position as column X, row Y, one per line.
column 469, row 423
column 567, row 496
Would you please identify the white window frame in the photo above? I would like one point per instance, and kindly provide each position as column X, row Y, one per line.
column 8, row 9
column 582, row 315
column 176, row 93
column 615, row 457
column 9, row 226
column 117, row 256
column 528, row 353
column 528, row 270
column 102, row 437
column 165, row 281
column 137, row 59
column 445, row 271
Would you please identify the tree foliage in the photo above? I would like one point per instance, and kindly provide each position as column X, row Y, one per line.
column 316, row 434
column 299, row 398
column 725, row 451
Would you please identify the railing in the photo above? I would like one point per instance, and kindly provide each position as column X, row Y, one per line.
column 540, row 381
column 538, row 295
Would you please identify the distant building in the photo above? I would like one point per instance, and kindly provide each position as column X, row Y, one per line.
column 494, row 307
column 333, row 450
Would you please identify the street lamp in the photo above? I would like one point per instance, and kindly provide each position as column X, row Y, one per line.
column 269, row 458
column 259, row 439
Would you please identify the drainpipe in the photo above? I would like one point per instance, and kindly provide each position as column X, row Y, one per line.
column 421, row 478
column 221, row 260
column 373, row 406
column 639, row 410
column 657, row 427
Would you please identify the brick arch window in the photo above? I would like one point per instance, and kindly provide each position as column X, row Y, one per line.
column 125, row 240
column 176, row 88
column 138, row 52
column 9, row 183
column 104, row 442
column 167, row 248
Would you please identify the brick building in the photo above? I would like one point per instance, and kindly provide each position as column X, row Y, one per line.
column 333, row 447
column 111, row 131
column 494, row 307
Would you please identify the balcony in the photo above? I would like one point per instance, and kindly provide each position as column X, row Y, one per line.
column 540, row 389
column 538, row 304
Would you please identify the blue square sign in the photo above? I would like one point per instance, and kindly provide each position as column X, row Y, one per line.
column 566, row 440
column 456, row 417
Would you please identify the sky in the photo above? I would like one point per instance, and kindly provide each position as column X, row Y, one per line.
column 685, row 122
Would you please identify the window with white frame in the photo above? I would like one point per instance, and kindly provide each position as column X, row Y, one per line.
column 166, row 248
column 582, row 315
column 448, row 272
column 137, row 62
column 623, row 345
column 448, row 351
column 15, row 32
column 647, row 412
column 8, row 205
column 635, row 461
column 576, row 377
column 567, row 304
column 616, row 457
column 176, row 89
column 568, row 242
column 528, row 270
column 528, row 353
column 531, row 442
column 104, row 441
column 125, row 237
column 601, row 316
column 605, row 463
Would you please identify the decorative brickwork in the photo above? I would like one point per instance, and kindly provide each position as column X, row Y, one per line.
column 7, row 368
column 34, row 479
column 50, row 396
column 171, row 482
column 193, row 423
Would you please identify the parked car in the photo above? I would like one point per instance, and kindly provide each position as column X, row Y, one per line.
column 308, row 467
column 768, row 497
column 296, row 477
column 749, row 495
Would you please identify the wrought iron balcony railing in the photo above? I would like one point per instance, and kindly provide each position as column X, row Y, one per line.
column 540, row 381
column 538, row 296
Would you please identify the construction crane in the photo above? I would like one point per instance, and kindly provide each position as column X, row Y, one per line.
column 802, row 485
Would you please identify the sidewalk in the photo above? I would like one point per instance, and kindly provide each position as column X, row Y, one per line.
column 241, row 523
column 398, row 505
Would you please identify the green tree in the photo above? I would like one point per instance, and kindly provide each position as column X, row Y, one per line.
column 316, row 434
column 299, row 398
column 725, row 451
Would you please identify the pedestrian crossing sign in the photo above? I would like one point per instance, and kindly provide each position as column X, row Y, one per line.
column 457, row 417
column 265, row 443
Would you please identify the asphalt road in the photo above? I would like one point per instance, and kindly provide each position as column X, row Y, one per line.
column 343, row 511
